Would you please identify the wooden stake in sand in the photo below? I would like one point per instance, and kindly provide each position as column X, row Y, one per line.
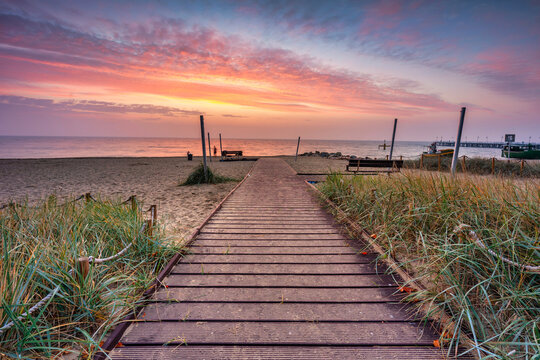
column 209, row 148
column 220, row 147
column 458, row 141
column 204, row 150
column 393, row 138
column 297, row 147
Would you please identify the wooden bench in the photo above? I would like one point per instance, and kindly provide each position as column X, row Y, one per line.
column 355, row 164
column 229, row 153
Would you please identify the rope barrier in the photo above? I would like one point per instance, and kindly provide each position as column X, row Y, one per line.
column 11, row 204
column 32, row 309
column 461, row 228
column 92, row 259
column 43, row 301
column 128, row 200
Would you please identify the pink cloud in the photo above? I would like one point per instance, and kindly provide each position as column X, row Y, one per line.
column 161, row 58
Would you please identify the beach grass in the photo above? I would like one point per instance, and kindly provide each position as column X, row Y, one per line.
column 413, row 216
column 197, row 176
column 39, row 249
column 478, row 166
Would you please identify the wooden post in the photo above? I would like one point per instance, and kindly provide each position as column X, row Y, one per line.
column 421, row 161
column 464, row 168
column 393, row 137
column 220, row 147
column 492, row 166
column 438, row 162
column 297, row 147
column 87, row 197
column 134, row 203
column 521, row 167
column 83, row 267
column 209, row 148
column 148, row 227
column 153, row 213
column 387, row 157
column 204, row 150
column 458, row 140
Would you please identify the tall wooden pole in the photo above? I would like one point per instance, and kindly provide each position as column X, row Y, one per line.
column 458, row 140
column 209, row 148
column 220, row 146
column 297, row 147
column 393, row 138
column 204, row 150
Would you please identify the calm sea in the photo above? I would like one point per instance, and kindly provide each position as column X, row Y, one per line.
column 24, row 147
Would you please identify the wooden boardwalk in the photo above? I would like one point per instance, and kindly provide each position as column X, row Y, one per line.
column 271, row 277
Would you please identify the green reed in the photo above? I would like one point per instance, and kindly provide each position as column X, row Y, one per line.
column 414, row 216
column 39, row 248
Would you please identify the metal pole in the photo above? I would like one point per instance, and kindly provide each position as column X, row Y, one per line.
column 220, row 147
column 393, row 137
column 458, row 140
column 209, row 148
column 204, row 150
column 297, row 146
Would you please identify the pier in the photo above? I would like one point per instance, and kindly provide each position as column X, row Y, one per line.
column 475, row 144
column 271, row 275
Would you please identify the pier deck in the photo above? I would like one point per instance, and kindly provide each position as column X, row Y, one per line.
column 271, row 276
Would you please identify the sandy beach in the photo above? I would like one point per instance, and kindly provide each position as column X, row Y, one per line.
column 154, row 180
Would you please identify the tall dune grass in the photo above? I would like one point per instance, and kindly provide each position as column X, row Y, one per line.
column 414, row 216
column 479, row 166
column 39, row 247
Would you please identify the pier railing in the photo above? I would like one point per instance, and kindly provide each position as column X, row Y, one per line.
column 479, row 144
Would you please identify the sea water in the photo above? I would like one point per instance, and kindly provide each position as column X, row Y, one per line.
column 24, row 147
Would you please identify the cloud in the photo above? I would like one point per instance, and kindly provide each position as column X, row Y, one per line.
column 166, row 57
column 94, row 106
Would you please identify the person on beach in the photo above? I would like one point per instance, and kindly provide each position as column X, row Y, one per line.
column 215, row 150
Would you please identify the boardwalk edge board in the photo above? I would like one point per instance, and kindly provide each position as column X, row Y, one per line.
column 114, row 337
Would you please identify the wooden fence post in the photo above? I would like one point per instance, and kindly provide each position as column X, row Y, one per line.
column 463, row 166
column 83, row 267
column 493, row 166
column 421, row 161
column 153, row 213
column 149, row 228
column 438, row 162
column 521, row 167
column 134, row 203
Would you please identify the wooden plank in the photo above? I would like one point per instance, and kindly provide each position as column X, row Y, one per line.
column 250, row 230
column 270, row 226
column 277, row 312
column 342, row 250
column 279, row 352
column 186, row 268
column 208, row 236
column 280, row 259
column 277, row 243
column 280, row 280
column 268, row 222
column 279, row 294
column 284, row 333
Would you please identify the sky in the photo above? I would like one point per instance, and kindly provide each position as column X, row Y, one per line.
column 270, row 69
